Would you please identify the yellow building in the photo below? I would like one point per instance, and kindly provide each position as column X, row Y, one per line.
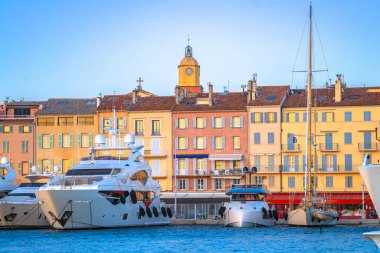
column 344, row 130
column 65, row 129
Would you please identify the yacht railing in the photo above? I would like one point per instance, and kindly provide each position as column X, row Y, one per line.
column 70, row 181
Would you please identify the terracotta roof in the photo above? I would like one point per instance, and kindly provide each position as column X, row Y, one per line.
column 68, row 106
column 162, row 103
column 270, row 95
column 355, row 96
column 121, row 102
column 24, row 103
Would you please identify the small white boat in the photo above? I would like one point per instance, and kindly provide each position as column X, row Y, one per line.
column 371, row 178
column 20, row 208
column 248, row 207
column 7, row 176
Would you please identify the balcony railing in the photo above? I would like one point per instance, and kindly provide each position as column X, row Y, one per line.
column 330, row 168
column 329, row 147
column 16, row 117
column 367, row 146
column 152, row 153
column 290, row 147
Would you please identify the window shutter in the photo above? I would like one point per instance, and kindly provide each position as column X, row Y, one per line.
column 204, row 123
column 1, row 129
column 223, row 142
column 194, row 142
column 241, row 122
column 333, row 117
column 231, row 122
column 287, row 117
column 20, row 129
column 205, row 164
column 187, row 166
column 176, row 123
column 275, row 117
column 40, row 141
column 101, row 123
column 212, row 165
column 60, row 140
column 90, row 139
column 176, row 143
column 60, row 165
column 213, row 142
column 19, row 171
column 265, row 117
column 195, row 184
column 79, row 141
column 204, row 142
column 213, row 184
column 71, row 140
column 11, row 129
column 213, row 122
column 296, row 163
column 124, row 124
column 286, row 168
column 316, row 117
column 51, row 141
column 252, row 117
column 187, row 142
column 195, row 122
column 223, row 122
column 187, row 122
column 323, row 162
column 304, row 163
column 205, row 184
column 297, row 117
column 194, row 165
column 335, row 163
column 40, row 165
column 304, row 116
column 323, row 117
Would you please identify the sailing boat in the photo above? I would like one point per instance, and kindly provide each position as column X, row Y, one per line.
column 310, row 212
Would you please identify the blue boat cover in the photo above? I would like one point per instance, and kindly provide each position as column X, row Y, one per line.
column 247, row 191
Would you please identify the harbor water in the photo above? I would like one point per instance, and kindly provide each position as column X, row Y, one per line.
column 191, row 239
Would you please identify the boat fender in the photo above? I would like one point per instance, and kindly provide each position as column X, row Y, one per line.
column 148, row 212
column 312, row 218
column 133, row 197
column 126, row 194
column 163, row 211
column 142, row 211
column 122, row 199
column 270, row 214
column 115, row 198
column 221, row 211
column 265, row 212
column 275, row 215
column 285, row 216
column 169, row 211
column 155, row 211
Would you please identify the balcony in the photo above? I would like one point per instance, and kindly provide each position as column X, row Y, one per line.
column 154, row 153
column 328, row 147
column 367, row 146
column 268, row 169
column 331, row 168
column 291, row 148
column 16, row 117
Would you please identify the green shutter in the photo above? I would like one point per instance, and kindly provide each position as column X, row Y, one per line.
column 60, row 140
column 30, row 129
column 71, row 140
column 40, row 141
column 19, row 168
column 1, row 129
column 20, row 129
column 79, row 140
column 11, row 129
column 52, row 141
column 51, row 164
column 60, row 165
column 90, row 139
column 40, row 165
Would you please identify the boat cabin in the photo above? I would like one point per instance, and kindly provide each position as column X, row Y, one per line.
column 248, row 193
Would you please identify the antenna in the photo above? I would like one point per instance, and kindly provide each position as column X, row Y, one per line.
column 188, row 40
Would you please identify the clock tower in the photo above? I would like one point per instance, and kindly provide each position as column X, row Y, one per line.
column 189, row 72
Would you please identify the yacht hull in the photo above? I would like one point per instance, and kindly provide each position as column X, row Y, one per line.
column 22, row 215
column 87, row 209
column 305, row 217
column 247, row 215
column 374, row 236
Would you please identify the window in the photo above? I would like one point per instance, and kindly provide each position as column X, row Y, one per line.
column 85, row 121
column 271, row 181
column 367, row 116
column 327, row 116
column 45, row 121
column 272, row 117
column 270, row 138
column 182, row 143
column 106, row 124
column 200, row 164
column 257, row 162
column 66, row 140
column 271, row 163
column 291, row 182
column 235, row 181
column 84, row 140
column 182, row 184
column 218, row 122
column 24, row 146
column 348, row 181
column 65, row 121
column 256, row 118
column 182, row 166
column 182, row 123
column 347, row 138
column 155, row 168
column 66, row 164
column 236, row 164
column 256, row 138
column 46, row 141
column 7, row 129
column 218, row 165
column 122, row 124
column 347, row 116
column 291, row 163
column 25, row 168
column 218, row 142
column 6, row 148
column 156, row 127
column 200, row 123
column 258, row 179
column 200, row 184
column 329, row 181
column 199, row 142
column 236, row 142
column 139, row 127
column 348, row 162
column 292, row 117
column 218, row 184
column 25, row 129
column 236, row 121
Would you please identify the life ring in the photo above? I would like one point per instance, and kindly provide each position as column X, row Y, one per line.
column 169, row 211
column 133, row 197
column 270, row 212
column 142, row 211
column 221, row 211
column 122, row 199
column 155, row 211
column 163, row 211
column 275, row 215
column 148, row 212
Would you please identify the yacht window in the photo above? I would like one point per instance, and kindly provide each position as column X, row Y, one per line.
column 248, row 197
column 31, row 184
column 141, row 176
column 115, row 171
column 32, row 195
column 89, row 172
column 3, row 172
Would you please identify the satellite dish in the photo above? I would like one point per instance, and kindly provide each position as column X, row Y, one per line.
column 129, row 139
column 99, row 140
column 4, row 160
column 34, row 169
column 254, row 169
column 57, row 168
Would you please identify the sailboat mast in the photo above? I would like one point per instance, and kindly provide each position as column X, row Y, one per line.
column 309, row 101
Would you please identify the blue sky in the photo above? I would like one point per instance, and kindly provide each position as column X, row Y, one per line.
column 67, row 48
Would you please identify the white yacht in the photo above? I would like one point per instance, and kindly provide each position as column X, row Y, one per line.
column 7, row 176
column 20, row 208
column 371, row 177
column 106, row 191
column 248, row 207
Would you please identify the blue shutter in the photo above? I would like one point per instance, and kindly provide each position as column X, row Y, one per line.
column 304, row 116
column 304, row 163
column 287, row 117
column 290, row 141
column 275, row 117
column 20, row 129
column 324, row 163
column 231, row 122
column 194, row 142
column 241, row 122
column 11, row 129
column 323, row 117
column 265, row 117
column 348, row 162
column 335, row 167
column 286, row 167
column 261, row 117
column 316, row 117
column 187, row 166
column 194, row 165
column 1, row 129
column 328, row 141
column 252, row 117
column 205, row 164
column 90, row 139
column 213, row 122
column 223, row 122
column 223, row 142
column 367, row 140
column 296, row 163
column 297, row 117
column 195, row 122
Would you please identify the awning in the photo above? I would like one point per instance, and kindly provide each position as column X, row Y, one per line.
column 228, row 157
column 194, row 197
column 198, row 156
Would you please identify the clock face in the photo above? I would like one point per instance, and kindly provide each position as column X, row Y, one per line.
column 189, row 71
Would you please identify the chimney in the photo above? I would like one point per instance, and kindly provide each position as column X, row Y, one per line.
column 338, row 88
column 177, row 96
column 134, row 96
column 254, row 87
column 210, row 94
column 98, row 101
column 249, row 95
